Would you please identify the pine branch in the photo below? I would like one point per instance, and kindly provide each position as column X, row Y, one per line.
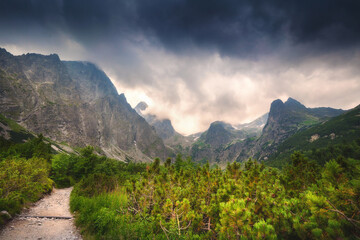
column 352, row 221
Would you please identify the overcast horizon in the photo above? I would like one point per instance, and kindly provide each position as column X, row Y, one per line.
column 199, row 61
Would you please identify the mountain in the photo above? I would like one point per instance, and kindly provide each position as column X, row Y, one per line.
column 340, row 129
column 74, row 103
column 285, row 119
column 220, row 133
column 255, row 126
column 221, row 143
column 176, row 142
column 163, row 127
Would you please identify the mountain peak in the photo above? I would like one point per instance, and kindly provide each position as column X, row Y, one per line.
column 293, row 103
column 4, row 52
column 276, row 106
column 141, row 106
column 52, row 57
column 277, row 102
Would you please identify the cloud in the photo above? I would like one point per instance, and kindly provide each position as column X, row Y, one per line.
column 200, row 61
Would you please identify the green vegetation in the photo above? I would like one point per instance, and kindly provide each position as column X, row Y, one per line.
column 24, row 174
column 181, row 199
column 16, row 132
column 67, row 169
column 35, row 147
column 322, row 155
column 11, row 123
column 184, row 200
column 341, row 130
column 313, row 194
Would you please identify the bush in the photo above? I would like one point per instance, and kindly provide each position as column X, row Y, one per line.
column 22, row 181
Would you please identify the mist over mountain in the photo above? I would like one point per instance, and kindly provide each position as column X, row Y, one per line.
column 255, row 126
column 163, row 127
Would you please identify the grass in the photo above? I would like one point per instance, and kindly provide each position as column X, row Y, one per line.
column 22, row 181
column 102, row 217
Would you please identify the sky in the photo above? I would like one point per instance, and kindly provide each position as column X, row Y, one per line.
column 199, row 61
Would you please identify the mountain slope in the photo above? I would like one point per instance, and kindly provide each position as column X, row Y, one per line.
column 13, row 132
column 340, row 129
column 221, row 143
column 74, row 102
column 285, row 119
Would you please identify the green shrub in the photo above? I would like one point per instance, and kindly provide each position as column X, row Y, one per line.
column 22, row 181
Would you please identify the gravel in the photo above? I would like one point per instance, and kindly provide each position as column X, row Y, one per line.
column 56, row 204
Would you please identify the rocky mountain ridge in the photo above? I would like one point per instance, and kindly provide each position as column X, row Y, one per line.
column 223, row 143
column 76, row 103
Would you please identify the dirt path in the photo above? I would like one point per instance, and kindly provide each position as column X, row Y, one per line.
column 54, row 205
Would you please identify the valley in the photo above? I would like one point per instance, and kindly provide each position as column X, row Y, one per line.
column 292, row 173
column 179, row 120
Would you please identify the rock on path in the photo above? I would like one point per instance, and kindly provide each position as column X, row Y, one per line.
column 56, row 204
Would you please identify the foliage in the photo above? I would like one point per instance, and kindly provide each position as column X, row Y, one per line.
column 67, row 169
column 250, row 201
column 22, row 181
column 35, row 147
column 323, row 154
column 316, row 196
column 24, row 172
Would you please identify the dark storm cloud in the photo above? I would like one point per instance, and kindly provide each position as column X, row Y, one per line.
column 247, row 27
column 232, row 27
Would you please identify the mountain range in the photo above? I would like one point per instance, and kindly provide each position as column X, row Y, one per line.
column 74, row 104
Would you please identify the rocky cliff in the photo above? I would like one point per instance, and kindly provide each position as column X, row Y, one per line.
column 76, row 103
